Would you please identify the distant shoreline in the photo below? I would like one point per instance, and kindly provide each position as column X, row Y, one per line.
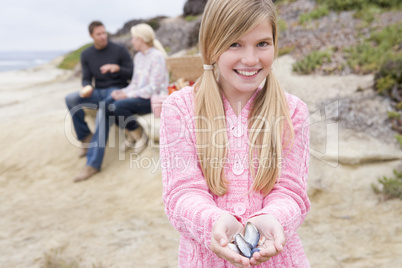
column 22, row 60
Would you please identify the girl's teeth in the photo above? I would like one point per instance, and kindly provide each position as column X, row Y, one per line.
column 247, row 73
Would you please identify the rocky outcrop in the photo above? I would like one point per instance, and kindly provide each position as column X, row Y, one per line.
column 153, row 22
column 122, row 36
column 177, row 34
column 194, row 7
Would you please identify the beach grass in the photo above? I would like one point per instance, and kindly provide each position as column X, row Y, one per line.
column 374, row 51
column 54, row 259
column 390, row 187
column 72, row 58
column 344, row 5
column 312, row 61
column 318, row 12
column 57, row 258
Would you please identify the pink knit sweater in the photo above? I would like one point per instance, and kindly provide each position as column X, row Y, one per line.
column 192, row 209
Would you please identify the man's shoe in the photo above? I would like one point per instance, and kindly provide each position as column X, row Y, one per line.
column 128, row 142
column 136, row 139
column 84, row 146
column 141, row 143
column 85, row 173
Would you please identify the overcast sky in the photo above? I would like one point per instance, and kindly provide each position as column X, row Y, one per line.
column 62, row 25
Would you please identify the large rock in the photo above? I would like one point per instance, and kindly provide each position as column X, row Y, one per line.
column 177, row 34
column 123, row 35
column 153, row 22
column 194, row 7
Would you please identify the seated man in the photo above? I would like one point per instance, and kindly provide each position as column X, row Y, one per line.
column 111, row 66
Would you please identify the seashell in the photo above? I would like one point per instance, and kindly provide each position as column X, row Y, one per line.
column 243, row 246
column 254, row 250
column 251, row 235
column 234, row 248
column 246, row 245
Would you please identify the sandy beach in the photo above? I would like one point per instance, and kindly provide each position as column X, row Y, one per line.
column 116, row 219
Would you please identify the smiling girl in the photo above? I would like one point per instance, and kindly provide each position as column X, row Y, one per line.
column 234, row 148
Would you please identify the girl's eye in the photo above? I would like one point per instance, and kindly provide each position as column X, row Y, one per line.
column 235, row 45
column 263, row 44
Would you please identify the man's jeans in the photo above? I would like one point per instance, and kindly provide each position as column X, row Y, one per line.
column 100, row 99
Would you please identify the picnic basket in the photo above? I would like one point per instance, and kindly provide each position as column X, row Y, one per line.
column 188, row 67
column 184, row 68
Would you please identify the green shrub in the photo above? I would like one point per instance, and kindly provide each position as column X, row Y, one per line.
column 367, row 14
column 320, row 11
column 154, row 23
column 384, row 84
column 373, row 52
column 190, row 18
column 391, row 187
column 389, row 76
column 393, row 115
column 399, row 139
column 341, row 5
column 284, row 1
column 311, row 62
column 73, row 58
column 364, row 58
column 282, row 26
column 389, row 37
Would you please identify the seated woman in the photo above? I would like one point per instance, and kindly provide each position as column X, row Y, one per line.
column 150, row 77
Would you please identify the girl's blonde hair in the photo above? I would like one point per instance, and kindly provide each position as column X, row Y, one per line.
column 224, row 22
column 146, row 33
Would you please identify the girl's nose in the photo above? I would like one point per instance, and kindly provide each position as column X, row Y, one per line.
column 250, row 57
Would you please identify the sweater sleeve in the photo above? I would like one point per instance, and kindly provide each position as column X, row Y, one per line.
column 86, row 72
column 288, row 200
column 188, row 203
column 126, row 64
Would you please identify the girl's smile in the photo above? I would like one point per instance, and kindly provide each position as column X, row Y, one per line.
column 247, row 74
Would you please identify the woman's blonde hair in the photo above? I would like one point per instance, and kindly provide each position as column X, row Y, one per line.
column 224, row 22
column 146, row 33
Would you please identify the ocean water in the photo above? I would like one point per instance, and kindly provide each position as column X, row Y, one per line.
column 18, row 60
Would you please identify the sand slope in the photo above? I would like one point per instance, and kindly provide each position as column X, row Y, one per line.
column 116, row 219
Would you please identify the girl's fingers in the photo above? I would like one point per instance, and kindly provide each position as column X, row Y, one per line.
column 280, row 239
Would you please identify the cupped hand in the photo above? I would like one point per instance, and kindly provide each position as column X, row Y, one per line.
column 274, row 236
column 111, row 68
column 118, row 94
column 222, row 232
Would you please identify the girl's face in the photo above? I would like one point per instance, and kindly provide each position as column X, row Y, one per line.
column 137, row 43
column 246, row 63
